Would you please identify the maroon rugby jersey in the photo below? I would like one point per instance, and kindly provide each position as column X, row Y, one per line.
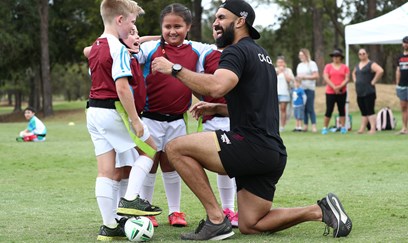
column 165, row 93
column 108, row 60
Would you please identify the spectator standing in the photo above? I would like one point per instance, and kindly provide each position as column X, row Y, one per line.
column 401, row 77
column 336, row 75
column 285, row 78
column 308, row 73
column 365, row 74
column 299, row 100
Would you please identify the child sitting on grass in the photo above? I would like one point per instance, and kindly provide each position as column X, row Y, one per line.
column 35, row 131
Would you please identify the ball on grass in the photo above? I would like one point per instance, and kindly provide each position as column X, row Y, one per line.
column 139, row 229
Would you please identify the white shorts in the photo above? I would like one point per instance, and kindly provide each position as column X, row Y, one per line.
column 126, row 158
column 108, row 131
column 217, row 123
column 164, row 132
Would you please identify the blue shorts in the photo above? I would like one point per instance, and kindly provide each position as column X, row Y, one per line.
column 299, row 112
column 402, row 93
column 283, row 98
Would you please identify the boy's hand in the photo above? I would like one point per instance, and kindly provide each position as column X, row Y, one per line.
column 138, row 127
column 202, row 108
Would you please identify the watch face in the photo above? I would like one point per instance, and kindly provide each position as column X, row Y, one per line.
column 177, row 67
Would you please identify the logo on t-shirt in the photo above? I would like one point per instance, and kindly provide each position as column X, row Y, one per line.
column 264, row 58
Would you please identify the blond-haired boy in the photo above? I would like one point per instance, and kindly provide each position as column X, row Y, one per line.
column 109, row 64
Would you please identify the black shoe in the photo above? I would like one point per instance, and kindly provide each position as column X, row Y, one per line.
column 137, row 207
column 109, row 234
column 122, row 222
column 206, row 230
column 334, row 216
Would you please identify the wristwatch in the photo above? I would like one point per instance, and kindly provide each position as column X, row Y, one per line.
column 176, row 69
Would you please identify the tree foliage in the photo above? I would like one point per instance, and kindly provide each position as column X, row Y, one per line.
column 74, row 24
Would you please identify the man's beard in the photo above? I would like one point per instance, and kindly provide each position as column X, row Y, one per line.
column 227, row 37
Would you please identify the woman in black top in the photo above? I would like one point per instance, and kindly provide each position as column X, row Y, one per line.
column 365, row 75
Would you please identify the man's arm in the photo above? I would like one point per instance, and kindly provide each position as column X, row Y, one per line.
column 397, row 75
column 215, row 85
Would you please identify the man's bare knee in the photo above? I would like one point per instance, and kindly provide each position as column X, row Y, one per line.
column 172, row 149
column 247, row 230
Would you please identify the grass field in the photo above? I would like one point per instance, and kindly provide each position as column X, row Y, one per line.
column 47, row 189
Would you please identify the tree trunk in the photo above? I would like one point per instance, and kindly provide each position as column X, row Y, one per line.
column 17, row 100
column 318, row 41
column 9, row 98
column 45, row 59
column 373, row 50
column 196, row 26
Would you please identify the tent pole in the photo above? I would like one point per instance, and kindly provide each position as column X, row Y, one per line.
column 347, row 120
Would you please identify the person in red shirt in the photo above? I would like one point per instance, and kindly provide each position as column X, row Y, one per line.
column 336, row 75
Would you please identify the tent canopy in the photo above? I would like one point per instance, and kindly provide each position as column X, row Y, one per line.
column 389, row 28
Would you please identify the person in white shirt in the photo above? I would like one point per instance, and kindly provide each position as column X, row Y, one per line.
column 308, row 73
column 285, row 78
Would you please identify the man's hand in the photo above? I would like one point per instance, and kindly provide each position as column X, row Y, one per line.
column 162, row 65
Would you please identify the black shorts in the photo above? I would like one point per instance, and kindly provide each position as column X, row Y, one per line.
column 331, row 100
column 366, row 104
column 255, row 168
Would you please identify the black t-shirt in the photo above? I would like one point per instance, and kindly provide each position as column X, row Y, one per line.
column 403, row 66
column 253, row 102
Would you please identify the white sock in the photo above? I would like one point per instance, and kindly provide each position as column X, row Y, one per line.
column 226, row 187
column 123, row 184
column 147, row 189
column 115, row 187
column 172, row 185
column 137, row 175
column 104, row 192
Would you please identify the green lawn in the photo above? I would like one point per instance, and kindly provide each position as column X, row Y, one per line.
column 47, row 189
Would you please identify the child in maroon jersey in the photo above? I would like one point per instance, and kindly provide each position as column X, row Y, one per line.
column 168, row 99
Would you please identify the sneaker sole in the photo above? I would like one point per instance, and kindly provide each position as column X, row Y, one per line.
column 135, row 212
column 222, row 237
column 110, row 238
column 178, row 225
column 337, row 208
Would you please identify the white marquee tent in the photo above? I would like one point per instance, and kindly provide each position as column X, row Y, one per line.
column 389, row 28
